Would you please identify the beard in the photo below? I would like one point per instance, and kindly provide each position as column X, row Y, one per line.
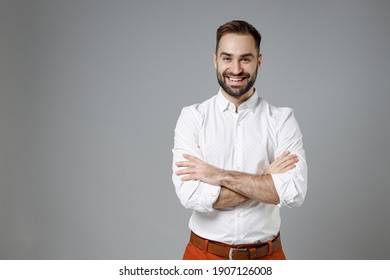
column 237, row 91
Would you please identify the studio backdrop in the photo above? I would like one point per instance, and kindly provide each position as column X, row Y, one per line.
column 90, row 92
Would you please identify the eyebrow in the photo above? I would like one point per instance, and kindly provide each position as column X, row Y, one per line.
column 243, row 55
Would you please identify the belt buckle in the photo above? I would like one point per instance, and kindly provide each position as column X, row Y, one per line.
column 232, row 250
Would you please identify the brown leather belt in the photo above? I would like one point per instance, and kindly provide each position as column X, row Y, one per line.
column 239, row 252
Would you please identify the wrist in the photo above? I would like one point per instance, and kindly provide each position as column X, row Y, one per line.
column 228, row 178
column 221, row 177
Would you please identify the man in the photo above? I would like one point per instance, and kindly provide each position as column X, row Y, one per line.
column 237, row 159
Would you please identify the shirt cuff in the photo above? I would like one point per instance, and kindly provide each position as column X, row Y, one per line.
column 210, row 194
column 285, row 187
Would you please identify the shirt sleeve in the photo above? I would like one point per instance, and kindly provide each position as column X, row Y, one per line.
column 193, row 194
column 292, row 185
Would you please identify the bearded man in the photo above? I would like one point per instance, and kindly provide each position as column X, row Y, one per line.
column 237, row 159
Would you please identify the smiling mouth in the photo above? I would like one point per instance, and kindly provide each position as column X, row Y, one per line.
column 235, row 79
column 238, row 79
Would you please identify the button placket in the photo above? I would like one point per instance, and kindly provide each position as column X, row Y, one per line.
column 239, row 145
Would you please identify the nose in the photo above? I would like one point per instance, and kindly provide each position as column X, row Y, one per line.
column 236, row 67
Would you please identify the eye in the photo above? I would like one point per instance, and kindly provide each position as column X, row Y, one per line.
column 226, row 58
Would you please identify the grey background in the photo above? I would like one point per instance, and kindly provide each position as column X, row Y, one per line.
column 90, row 92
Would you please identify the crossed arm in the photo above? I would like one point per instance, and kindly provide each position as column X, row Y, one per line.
column 237, row 187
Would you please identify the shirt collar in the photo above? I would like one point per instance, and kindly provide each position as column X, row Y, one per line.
column 224, row 104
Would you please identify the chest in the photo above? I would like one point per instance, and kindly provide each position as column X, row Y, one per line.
column 241, row 142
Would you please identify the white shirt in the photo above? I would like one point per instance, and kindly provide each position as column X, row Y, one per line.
column 246, row 141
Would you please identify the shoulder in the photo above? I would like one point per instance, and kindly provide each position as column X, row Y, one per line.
column 198, row 111
column 273, row 111
column 276, row 115
column 192, row 117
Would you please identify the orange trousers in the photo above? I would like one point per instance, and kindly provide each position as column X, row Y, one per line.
column 194, row 253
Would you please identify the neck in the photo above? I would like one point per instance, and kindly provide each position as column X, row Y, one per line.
column 237, row 101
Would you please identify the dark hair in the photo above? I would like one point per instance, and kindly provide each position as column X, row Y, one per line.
column 238, row 27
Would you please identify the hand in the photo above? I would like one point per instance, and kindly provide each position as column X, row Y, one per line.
column 282, row 163
column 197, row 169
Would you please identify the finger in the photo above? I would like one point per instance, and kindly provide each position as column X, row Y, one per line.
column 282, row 157
column 288, row 162
column 184, row 164
column 184, row 171
column 282, row 166
column 284, row 154
column 190, row 158
column 187, row 156
column 287, row 159
column 289, row 167
column 280, row 162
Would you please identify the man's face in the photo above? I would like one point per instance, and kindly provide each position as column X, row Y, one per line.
column 237, row 62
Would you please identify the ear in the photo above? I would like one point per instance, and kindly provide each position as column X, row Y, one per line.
column 215, row 60
column 259, row 59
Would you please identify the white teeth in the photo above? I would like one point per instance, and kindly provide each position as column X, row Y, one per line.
column 235, row 80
